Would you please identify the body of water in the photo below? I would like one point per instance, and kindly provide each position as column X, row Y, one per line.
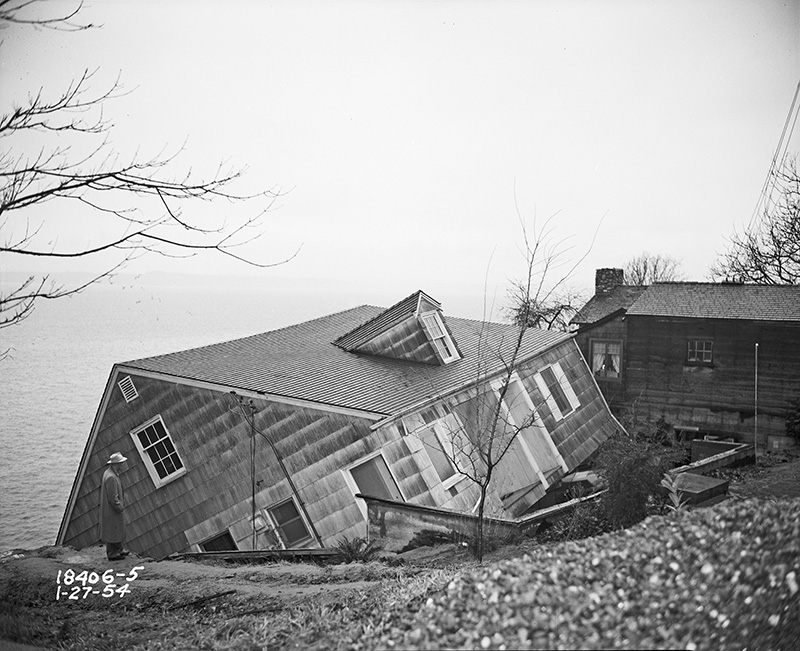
column 52, row 380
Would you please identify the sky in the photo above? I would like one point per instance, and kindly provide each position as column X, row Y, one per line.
column 410, row 140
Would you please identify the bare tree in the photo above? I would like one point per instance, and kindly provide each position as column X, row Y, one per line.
column 768, row 251
column 649, row 268
column 554, row 312
column 491, row 431
column 73, row 171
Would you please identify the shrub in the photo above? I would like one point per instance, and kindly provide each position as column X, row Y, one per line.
column 586, row 519
column 793, row 419
column 633, row 469
column 356, row 550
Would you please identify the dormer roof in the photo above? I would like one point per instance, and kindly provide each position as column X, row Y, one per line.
column 413, row 329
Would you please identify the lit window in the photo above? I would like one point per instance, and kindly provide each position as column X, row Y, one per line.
column 290, row 525
column 439, row 337
column 606, row 358
column 158, row 452
column 700, row 351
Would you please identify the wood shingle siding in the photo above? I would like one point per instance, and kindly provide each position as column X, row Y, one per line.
column 318, row 411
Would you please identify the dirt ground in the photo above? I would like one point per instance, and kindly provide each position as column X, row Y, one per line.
column 165, row 595
column 31, row 613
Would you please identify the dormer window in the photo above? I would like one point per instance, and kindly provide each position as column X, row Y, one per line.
column 439, row 337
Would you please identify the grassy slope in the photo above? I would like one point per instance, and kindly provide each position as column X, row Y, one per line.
column 725, row 577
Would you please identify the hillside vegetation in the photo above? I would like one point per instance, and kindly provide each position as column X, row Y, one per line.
column 720, row 577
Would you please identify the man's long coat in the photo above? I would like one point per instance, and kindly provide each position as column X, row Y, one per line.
column 112, row 506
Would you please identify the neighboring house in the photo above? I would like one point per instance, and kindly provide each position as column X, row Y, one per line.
column 369, row 400
column 688, row 355
column 601, row 332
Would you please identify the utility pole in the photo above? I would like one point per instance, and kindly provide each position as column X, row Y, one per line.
column 755, row 437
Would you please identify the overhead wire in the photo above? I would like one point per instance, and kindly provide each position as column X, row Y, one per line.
column 778, row 157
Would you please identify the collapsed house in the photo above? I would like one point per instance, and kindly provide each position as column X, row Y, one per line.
column 264, row 442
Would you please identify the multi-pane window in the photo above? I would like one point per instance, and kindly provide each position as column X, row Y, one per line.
column 158, row 452
column 606, row 358
column 290, row 524
column 439, row 337
column 700, row 350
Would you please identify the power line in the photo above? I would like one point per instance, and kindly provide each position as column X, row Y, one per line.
column 780, row 153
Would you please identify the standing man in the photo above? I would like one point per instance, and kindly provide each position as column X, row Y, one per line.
column 112, row 509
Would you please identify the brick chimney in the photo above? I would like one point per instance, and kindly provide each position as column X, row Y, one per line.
column 607, row 279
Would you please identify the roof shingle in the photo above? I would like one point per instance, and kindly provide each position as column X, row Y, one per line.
column 301, row 362
column 603, row 305
column 720, row 301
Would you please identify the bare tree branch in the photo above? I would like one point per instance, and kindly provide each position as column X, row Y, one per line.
column 768, row 251
column 648, row 268
column 141, row 204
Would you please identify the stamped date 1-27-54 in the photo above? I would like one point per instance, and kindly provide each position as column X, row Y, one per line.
column 79, row 585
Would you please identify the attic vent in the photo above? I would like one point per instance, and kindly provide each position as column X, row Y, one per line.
column 129, row 391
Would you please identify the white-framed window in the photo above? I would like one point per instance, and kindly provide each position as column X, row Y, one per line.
column 606, row 358
column 557, row 391
column 158, row 452
column 128, row 389
column 700, row 351
column 438, row 432
column 439, row 337
column 371, row 476
column 289, row 524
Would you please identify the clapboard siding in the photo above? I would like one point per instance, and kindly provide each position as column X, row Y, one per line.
column 719, row 398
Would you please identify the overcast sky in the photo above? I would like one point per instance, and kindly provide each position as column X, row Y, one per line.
column 408, row 136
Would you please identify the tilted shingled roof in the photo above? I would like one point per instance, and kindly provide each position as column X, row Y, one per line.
column 720, row 301
column 602, row 305
column 302, row 362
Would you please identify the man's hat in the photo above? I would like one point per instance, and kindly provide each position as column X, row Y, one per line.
column 116, row 458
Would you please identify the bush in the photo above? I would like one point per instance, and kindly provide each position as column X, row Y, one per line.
column 586, row 519
column 793, row 419
column 357, row 550
column 633, row 469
